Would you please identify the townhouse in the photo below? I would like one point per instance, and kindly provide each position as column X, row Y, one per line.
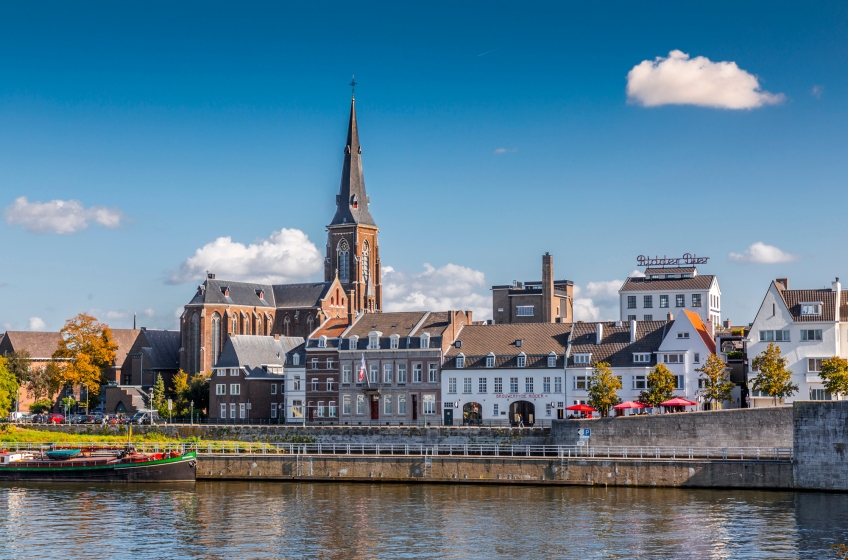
column 322, row 372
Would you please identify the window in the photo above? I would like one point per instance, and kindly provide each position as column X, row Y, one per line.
column 429, row 402
column 330, row 384
column 460, row 361
column 345, row 373
column 374, row 342
column 811, row 334
column 547, row 409
column 353, row 342
column 242, row 410
column 295, row 359
column 680, row 300
column 321, row 409
column 810, row 309
column 631, row 317
column 387, row 373
column 679, row 381
column 498, row 385
column 296, row 383
column 552, row 360
column 513, row 384
column 641, row 358
column 346, row 404
column 673, row 358
column 702, row 383
column 235, row 389
column 647, row 302
column 495, row 409
column 374, row 373
column 639, row 382
column 580, row 382
column 401, row 378
column 581, row 358
column 631, row 302
column 697, row 358
column 696, row 300
column 314, row 363
column 221, row 389
column 322, row 342
column 546, row 384
column 814, row 365
column 222, row 373
column 343, row 262
column 314, row 384
column 334, row 411
column 523, row 310
column 223, row 410
column 647, row 317
column 466, row 385
column 774, row 336
column 819, row 395
column 452, row 385
column 416, row 373
column 387, row 404
column 330, row 363
column 683, row 335
column 481, row 385
column 425, row 340
column 663, row 301
column 557, row 384
column 232, row 410
column 433, row 373
column 490, row 360
column 401, row 405
column 393, row 342
column 234, row 372
column 360, row 404
column 297, row 408
column 522, row 360
column 273, row 388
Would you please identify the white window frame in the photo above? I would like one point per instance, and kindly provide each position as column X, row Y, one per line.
column 529, row 385
column 401, row 373
column 433, row 373
column 373, row 373
column 388, row 373
column 558, row 385
column 490, row 360
column 232, row 411
column 582, row 358
column 451, row 385
column 581, row 383
column 812, row 363
column 221, row 389
column 513, row 385
column 425, row 340
column 346, row 373
column 521, row 360
column 552, row 359
column 242, row 411
column 223, row 410
column 322, row 341
column 387, row 404
column 641, row 358
column 640, row 382
column 811, row 335
column 394, row 342
column 498, row 385
column 346, row 405
column 466, row 385
column 235, row 389
column 417, row 372
column 460, row 361
column 428, row 400
column 482, row 385
column 273, row 388
column 524, row 311
column 811, row 308
column 546, row 384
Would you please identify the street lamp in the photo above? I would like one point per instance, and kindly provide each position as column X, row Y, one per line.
column 192, row 413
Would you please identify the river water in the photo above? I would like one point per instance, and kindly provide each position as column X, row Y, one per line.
column 337, row 520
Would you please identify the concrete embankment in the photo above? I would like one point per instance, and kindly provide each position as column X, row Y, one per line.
column 499, row 470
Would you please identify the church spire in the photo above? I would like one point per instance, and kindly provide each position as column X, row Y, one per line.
column 352, row 202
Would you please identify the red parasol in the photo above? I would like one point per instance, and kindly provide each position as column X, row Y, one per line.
column 678, row 401
column 581, row 408
column 628, row 404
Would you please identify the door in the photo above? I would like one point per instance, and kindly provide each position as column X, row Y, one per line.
column 375, row 408
column 448, row 417
column 522, row 413
column 415, row 407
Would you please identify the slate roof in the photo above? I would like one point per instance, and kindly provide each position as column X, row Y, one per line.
column 125, row 339
column 353, row 180
column 677, row 270
column 615, row 347
column 538, row 340
column 300, row 295
column 161, row 349
column 240, row 293
column 251, row 352
column 400, row 323
column 794, row 298
column 40, row 345
column 637, row 283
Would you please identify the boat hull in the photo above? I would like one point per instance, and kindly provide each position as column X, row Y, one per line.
column 178, row 469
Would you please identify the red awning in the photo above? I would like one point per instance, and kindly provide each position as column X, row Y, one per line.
column 581, row 408
column 628, row 404
column 678, row 401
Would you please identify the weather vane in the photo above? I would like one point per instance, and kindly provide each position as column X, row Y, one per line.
column 352, row 85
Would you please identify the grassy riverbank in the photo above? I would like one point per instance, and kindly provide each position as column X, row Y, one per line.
column 14, row 434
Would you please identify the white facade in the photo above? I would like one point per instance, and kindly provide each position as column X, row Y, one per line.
column 295, row 394
column 651, row 298
column 495, row 390
column 804, row 343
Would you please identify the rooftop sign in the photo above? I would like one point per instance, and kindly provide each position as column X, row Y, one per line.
column 687, row 259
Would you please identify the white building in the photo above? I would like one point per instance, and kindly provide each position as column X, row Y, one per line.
column 633, row 348
column 295, row 386
column 510, row 374
column 664, row 290
column 808, row 326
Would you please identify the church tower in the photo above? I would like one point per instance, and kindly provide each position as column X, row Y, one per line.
column 352, row 250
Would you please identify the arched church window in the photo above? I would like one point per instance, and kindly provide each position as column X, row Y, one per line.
column 216, row 337
column 195, row 342
column 245, row 324
column 366, row 268
column 309, row 323
column 344, row 261
column 287, row 326
column 235, row 324
column 258, row 326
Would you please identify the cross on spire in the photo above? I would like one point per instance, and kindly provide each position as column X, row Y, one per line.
column 352, row 85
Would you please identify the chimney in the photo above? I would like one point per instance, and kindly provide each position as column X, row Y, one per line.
column 210, row 276
column 783, row 282
column 599, row 333
column 727, row 324
column 669, row 316
column 276, row 337
column 632, row 331
column 547, row 288
column 837, row 287
column 135, row 316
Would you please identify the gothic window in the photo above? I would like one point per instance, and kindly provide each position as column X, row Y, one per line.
column 216, row 337
column 268, row 325
column 195, row 343
column 287, row 326
column 258, row 325
column 344, row 262
column 245, row 324
column 365, row 262
column 309, row 323
column 235, row 324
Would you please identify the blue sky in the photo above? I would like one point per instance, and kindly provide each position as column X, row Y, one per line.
column 491, row 133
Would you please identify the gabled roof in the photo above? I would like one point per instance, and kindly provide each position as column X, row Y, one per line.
column 699, row 325
column 538, row 340
column 615, row 347
column 353, row 181
column 251, row 352
column 125, row 339
column 300, row 295
column 40, row 345
column 677, row 270
column 794, row 298
column 401, row 323
column 235, row 293
column 435, row 324
column 332, row 329
column 161, row 349
column 640, row 284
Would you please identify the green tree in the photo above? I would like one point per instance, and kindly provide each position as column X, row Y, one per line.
column 8, row 388
column 87, row 349
column 41, row 405
column 773, row 378
column 181, row 394
column 660, row 386
column 717, row 385
column 19, row 363
column 68, row 404
column 603, row 387
column 834, row 374
column 44, row 382
column 198, row 391
column 160, row 403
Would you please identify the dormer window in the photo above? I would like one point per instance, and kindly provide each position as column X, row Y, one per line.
column 425, row 340
column 296, row 359
column 460, row 361
column 522, row 360
column 394, row 342
column 260, row 294
column 582, row 358
column 552, row 359
column 490, row 360
column 374, row 340
column 225, row 290
column 683, row 335
column 811, row 309
column 353, row 342
column 354, row 201
column 322, row 341
column 641, row 358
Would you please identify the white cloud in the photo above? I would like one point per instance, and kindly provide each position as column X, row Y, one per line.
column 598, row 301
column 149, row 312
column 60, row 216
column 499, row 151
column 36, row 324
column 437, row 289
column 679, row 80
column 287, row 255
column 760, row 253
column 817, row 91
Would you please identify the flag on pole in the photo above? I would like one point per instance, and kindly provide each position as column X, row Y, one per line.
column 361, row 377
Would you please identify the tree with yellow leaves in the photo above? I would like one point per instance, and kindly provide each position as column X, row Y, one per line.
column 85, row 351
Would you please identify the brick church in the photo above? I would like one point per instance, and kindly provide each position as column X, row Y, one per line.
column 351, row 281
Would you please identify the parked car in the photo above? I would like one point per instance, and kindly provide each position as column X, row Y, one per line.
column 55, row 418
column 22, row 417
column 145, row 417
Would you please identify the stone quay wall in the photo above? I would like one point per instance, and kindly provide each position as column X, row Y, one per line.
column 821, row 445
column 738, row 427
column 498, row 470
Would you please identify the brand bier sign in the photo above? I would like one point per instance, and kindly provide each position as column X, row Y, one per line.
column 521, row 396
column 687, row 259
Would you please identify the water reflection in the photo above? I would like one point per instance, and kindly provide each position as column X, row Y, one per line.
column 261, row 520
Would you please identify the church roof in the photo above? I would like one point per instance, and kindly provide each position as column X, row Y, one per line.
column 352, row 202
column 224, row 292
column 300, row 295
column 40, row 345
